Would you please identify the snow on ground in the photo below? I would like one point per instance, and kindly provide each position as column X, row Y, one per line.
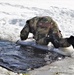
column 62, row 67
column 14, row 15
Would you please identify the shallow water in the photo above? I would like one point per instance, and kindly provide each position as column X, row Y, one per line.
column 22, row 59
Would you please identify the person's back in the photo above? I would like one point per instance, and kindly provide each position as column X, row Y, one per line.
column 46, row 27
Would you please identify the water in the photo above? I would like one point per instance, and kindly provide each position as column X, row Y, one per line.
column 23, row 59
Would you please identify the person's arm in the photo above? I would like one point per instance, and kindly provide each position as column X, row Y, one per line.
column 24, row 32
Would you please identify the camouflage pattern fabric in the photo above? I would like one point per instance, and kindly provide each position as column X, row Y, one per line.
column 41, row 27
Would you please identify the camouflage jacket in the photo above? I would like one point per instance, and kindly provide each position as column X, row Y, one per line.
column 41, row 27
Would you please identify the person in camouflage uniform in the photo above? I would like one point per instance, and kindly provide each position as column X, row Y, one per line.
column 45, row 30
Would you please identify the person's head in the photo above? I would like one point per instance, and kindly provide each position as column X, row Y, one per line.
column 71, row 40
